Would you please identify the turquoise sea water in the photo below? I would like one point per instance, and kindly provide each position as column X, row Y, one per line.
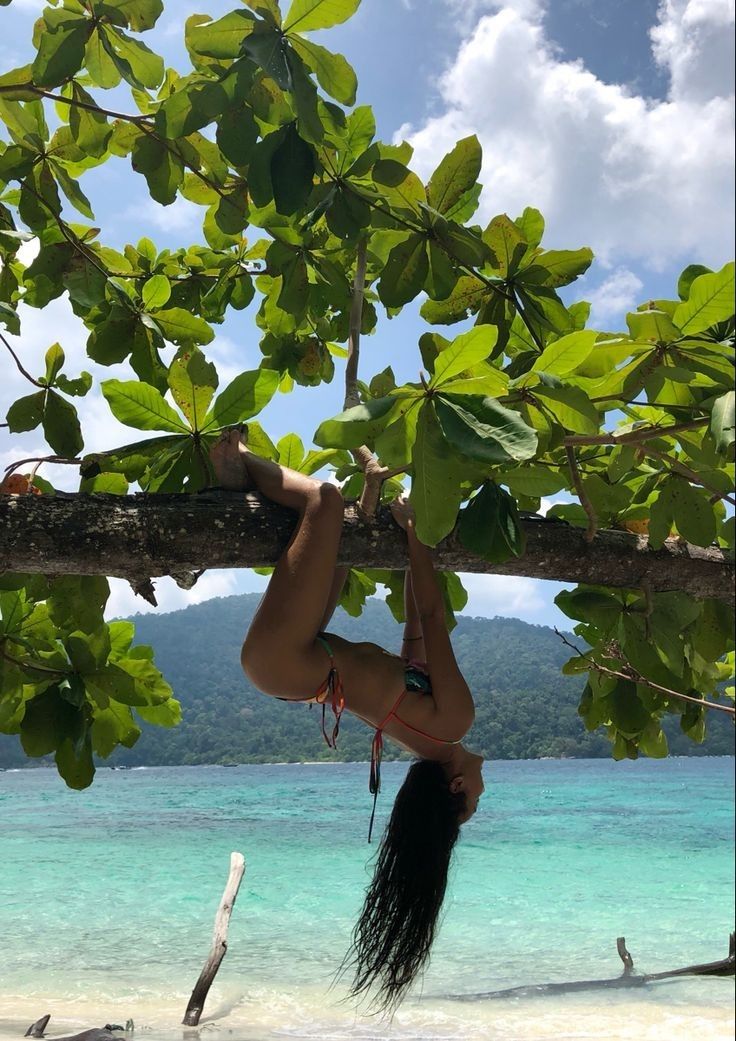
column 107, row 900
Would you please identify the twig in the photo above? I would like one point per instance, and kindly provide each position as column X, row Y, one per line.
column 23, row 372
column 685, row 471
column 55, row 459
column 633, row 676
column 73, row 102
column 29, row 665
column 633, row 436
column 582, row 494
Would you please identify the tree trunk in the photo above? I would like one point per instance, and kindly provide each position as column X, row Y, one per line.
column 138, row 537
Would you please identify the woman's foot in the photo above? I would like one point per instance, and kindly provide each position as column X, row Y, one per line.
column 228, row 457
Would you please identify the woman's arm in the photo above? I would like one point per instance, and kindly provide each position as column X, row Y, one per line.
column 412, row 646
column 338, row 581
column 454, row 709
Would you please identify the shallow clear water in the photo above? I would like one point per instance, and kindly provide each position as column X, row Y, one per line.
column 107, row 900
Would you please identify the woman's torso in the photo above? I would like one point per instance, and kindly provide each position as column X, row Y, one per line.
column 374, row 681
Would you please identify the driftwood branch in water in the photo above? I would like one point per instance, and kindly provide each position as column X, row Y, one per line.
column 138, row 537
column 724, row 967
column 219, row 942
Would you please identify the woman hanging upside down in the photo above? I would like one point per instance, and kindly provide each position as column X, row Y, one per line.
column 419, row 700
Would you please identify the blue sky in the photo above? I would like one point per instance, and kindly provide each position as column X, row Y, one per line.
column 614, row 117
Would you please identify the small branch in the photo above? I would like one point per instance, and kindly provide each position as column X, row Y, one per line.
column 679, row 468
column 356, row 320
column 633, row 436
column 74, row 102
column 582, row 494
column 29, row 665
column 22, row 371
column 219, row 942
column 624, row 955
column 57, row 460
column 636, row 677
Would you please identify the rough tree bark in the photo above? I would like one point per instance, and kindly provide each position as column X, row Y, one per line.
column 138, row 537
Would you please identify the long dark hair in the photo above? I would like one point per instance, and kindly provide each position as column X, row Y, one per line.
column 394, row 934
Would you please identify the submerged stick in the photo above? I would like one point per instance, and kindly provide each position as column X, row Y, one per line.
column 724, row 967
column 219, row 942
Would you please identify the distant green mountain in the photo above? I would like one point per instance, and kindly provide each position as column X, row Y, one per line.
column 525, row 707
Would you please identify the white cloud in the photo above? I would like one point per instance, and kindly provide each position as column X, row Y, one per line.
column 490, row 595
column 181, row 215
column 123, row 601
column 618, row 293
column 633, row 178
column 693, row 40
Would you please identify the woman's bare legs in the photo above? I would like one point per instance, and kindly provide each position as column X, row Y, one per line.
column 280, row 653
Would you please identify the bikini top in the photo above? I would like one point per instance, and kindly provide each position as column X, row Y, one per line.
column 416, row 679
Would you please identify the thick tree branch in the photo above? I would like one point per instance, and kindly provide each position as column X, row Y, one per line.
column 140, row 536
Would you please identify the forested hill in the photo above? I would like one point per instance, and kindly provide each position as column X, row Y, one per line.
column 525, row 707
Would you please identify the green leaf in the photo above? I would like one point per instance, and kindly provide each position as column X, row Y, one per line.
column 465, row 351
column 246, row 396
column 334, row 74
column 26, row 413
column 531, row 226
column 307, row 15
column 652, row 325
column 356, row 426
column 484, row 430
column 60, row 48
column 693, row 513
column 77, row 602
column 138, row 14
column 571, row 407
column 556, row 267
column 506, row 242
column 463, row 301
column 710, row 301
column 404, row 272
column 61, row 426
column 89, row 129
column 564, row 356
column 687, row 278
column 156, row 292
column 723, row 421
column 222, row 38
column 436, row 486
column 88, row 652
column 292, row 172
column 265, row 48
column 135, row 62
column 113, row 726
column 193, row 382
column 183, row 328
column 489, row 525
column 534, row 481
column 163, row 170
column 138, row 405
column 456, row 174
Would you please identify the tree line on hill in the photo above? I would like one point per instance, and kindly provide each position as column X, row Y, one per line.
column 525, row 707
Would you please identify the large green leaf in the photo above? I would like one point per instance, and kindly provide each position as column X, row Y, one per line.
column 193, row 382
column 405, row 271
column 693, row 513
column 292, row 172
column 307, row 15
column 556, row 267
column 489, row 525
column 437, row 476
column 135, row 62
column 141, row 406
column 61, row 426
column 61, row 46
column 723, row 420
column 222, row 38
column 181, row 327
column 334, row 74
column 564, row 356
column 484, row 430
column 571, row 407
column 456, row 174
column 356, row 426
column 246, row 396
column 138, row 14
column 160, row 165
column 710, row 301
column 465, row 351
